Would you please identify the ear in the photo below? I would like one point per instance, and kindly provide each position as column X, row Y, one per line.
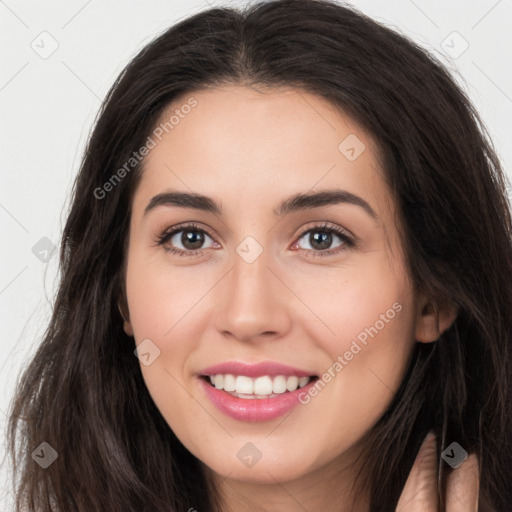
column 433, row 319
column 123, row 309
column 122, row 302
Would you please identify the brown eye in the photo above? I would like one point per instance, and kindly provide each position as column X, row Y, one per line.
column 185, row 240
column 321, row 238
column 191, row 239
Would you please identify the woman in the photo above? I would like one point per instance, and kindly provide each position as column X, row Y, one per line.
column 292, row 216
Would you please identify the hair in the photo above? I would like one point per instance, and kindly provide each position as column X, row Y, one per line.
column 83, row 391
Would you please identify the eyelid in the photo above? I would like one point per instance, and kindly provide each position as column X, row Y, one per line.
column 328, row 226
column 168, row 233
column 349, row 240
column 185, row 225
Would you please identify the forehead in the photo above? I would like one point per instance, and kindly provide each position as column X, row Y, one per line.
column 247, row 145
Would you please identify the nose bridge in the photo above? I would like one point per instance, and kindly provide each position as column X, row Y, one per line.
column 252, row 301
column 250, row 278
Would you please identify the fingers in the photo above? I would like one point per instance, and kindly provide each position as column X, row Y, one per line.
column 462, row 487
column 420, row 490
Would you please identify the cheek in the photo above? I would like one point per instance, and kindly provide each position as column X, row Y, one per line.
column 158, row 305
column 370, row 316
column 160, row 297
column 162, row 303
column 358, row 304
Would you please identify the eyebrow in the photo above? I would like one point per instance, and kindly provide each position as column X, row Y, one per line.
column 297, row 202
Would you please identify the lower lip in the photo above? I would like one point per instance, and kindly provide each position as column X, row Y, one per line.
column 253, row 409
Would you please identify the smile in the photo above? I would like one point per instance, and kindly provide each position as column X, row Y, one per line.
column 254, row 392
column 266, row 386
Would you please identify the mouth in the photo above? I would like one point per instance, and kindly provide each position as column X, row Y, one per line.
column 265, row 386
column 255, row 392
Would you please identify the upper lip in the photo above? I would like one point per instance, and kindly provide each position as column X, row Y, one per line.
column 254, row 370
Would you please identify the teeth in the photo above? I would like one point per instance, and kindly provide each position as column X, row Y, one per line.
column 279, row 384
column 219, row 381
column 292, row 382
column 229, row 382
column 303, row 381
column 261, row 387
column 243, row 385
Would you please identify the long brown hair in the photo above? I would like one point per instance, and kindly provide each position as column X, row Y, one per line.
column 83, row 391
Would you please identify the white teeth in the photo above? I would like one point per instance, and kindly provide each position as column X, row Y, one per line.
column 260, row 387
column 243, row 385
column 263, row 385
column 279, row 384
column 303, row 381
column 219, row 381
column 292, row 383
column 229, row 382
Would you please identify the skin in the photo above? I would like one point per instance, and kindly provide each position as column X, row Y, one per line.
column 249, row 150
column 420, row 491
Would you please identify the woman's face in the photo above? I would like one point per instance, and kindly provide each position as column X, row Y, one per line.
column 262, row 278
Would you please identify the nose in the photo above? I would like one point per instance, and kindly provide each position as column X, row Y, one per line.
column 253, row 303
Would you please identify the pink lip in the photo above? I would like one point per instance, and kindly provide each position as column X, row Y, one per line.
column 254, row 370
column 253, row 409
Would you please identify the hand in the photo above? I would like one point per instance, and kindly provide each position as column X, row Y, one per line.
column 420, row 491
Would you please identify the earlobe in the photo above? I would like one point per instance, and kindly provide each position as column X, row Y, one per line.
column 432, row 321
column 127, row 326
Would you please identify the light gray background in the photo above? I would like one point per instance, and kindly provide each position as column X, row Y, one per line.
column 48, row 105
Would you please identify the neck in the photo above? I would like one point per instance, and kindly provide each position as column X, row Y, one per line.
column 328, row 488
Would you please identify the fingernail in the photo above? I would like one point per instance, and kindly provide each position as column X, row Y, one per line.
column 425, row 445
column 429, row 436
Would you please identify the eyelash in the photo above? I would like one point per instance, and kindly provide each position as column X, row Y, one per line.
column 348, row 240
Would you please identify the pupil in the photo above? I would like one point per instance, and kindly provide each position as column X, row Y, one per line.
column 192, row 237
column 316, row 238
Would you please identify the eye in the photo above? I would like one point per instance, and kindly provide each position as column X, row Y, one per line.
column 321, row 238
column 191, row 237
